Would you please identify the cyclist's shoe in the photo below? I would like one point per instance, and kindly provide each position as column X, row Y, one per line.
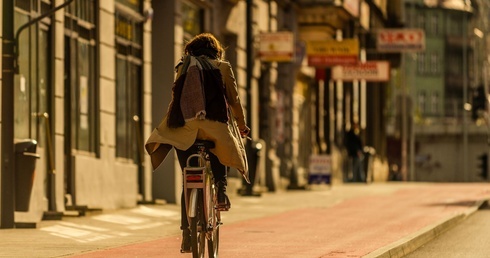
column 225, row 205
column 186, row 241
column 223, row 200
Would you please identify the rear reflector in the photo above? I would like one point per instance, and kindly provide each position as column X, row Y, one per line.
column 194, row 178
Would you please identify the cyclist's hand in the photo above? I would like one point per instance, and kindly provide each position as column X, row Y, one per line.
column 244, row 131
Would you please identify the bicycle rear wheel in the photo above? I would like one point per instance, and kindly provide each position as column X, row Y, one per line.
column 198, row 233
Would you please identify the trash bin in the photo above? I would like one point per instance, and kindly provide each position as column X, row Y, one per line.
column 25, row 165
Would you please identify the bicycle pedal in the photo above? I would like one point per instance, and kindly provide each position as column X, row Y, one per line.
column 223, row 208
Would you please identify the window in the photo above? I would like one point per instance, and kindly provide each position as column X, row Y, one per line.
column 421, row 20
column 434, row 103
column 411, row 15
column 421, row 100
column 129, row 85
column 80, row 78
column 31, row 90
column 192, row 20
column 454, row 25
column 434, row 24
column 421, row 63
column 434, row 63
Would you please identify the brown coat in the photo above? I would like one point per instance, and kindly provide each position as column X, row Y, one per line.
column 229, row 147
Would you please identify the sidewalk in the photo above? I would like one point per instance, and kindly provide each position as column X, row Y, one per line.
column 351, row 220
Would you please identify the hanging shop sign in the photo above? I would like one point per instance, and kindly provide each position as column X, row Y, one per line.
column 135, row 5
column 352, row 6
column 332, row 52
column 365, row 14
column 400, row 40
column 371, row 71
column 276, row 46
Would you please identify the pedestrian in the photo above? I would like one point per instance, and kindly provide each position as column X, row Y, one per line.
column 205, row 104
column 354, row 146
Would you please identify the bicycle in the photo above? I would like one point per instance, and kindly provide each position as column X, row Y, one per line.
column 201, row 202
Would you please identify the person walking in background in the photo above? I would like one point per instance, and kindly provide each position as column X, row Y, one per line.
column 354, row 146
column 205, row 105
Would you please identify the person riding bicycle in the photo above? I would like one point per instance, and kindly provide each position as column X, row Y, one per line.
column 205, row 104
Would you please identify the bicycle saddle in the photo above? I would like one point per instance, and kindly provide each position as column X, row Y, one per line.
column 205, row 143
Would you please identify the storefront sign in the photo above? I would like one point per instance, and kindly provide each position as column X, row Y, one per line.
column 332, row 52
column 320, row 169
column 400, row 40
column 276, row 47
column 372, row 71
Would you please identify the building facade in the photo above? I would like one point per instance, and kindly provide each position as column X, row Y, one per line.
column 445, row 135
column 92, row 78
column 82, row 70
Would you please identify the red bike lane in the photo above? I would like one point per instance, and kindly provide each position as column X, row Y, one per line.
column 352, row 228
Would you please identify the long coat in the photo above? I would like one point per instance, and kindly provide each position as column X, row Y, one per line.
column 228, row 144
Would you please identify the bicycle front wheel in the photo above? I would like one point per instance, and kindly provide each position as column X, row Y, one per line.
column 213, row 243
column 198, row 232
column 215, row 221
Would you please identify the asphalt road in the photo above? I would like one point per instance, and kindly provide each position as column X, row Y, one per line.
column 470, row 238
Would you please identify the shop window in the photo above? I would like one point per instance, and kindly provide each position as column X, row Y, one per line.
column 31, row 83
column 81, row 67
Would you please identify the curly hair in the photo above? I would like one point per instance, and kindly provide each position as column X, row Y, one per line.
column 204, row 44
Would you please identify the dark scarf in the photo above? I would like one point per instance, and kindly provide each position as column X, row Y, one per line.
column 214, row 93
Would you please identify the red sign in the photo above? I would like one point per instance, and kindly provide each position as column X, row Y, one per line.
column 320, row 61
column 332, row 52
column 373, row 71
column 401, row 40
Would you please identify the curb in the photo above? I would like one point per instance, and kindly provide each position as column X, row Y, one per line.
column 415, row 240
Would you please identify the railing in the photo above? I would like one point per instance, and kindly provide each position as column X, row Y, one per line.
column 139, row 139
column 51, row 166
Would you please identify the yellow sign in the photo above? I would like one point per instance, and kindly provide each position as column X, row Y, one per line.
column 333, row 47
column 332, row 52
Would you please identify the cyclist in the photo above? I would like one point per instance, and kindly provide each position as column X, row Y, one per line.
column 203, row 94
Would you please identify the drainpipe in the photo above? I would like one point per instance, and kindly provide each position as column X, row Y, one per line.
column 250, row 61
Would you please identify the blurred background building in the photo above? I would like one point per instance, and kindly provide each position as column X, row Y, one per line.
column 86, row 81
